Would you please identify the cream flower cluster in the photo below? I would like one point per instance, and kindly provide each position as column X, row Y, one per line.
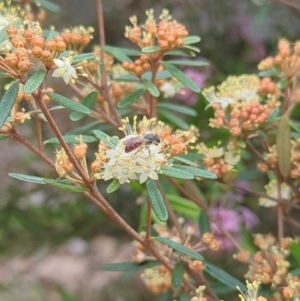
column 141, row 163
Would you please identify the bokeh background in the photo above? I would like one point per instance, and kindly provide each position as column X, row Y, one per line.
column 51, row 242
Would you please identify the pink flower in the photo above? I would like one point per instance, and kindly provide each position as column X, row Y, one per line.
column 231, row 220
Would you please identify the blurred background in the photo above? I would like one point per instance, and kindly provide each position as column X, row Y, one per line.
column 51, row 242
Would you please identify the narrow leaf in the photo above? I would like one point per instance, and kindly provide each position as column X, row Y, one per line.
column 53, row 7
column 8, row 101
column 182, row 78
column 181, row 52
column 71, row 139
column 203, row 222
column 178, row 108
column 197, row 172
column 127, row 78
column 27, row 178
column 3, row 137
column 295, row 126
column 116, row 53
column 283, row 146
column 106, row 139
column 34, row 81
column 83, row 57
column 69, row 104
column 127, row 51
column 150, row 49
column 159, row 75
column 295, row 251
column 67, row 187
column 192, row 48
column 268, row 73
column 185, row 161
column 191, row 40
column 174, row 119
column 188, row 63
column 157, row 201
column 176, row 173
column 130, row 99
column 223, row 277
column 152, row 89
column 177, row 276
column 180, row 248
column 3, row 34
column 184, row 206
column 113, row 186
column 89, row 101
column 128, row 266
column 184, row 297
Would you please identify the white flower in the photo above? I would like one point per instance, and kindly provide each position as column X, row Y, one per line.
column 272, row 191
column 212, row 98
column 141, row 163
column 168, row 90
column 251, row 293
column 246, row 95
column 65, row 70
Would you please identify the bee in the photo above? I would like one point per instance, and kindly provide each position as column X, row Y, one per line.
column 138, row 141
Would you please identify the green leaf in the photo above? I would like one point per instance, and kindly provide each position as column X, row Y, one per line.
column 50, row 34
column 180, row 248
column 268, row 73
column 34, row 81
column 184, row 297
column 197, row 172
column 248, row 175
column 181, row 52
column 71, row 139
column 157, row 201
column 191, row 40
column 127, row 51
column 128, row 266
column 184, row 206
column 127, row 78
column 83, row 57
column 48, row 5
column 176, row 173
column 3, row 137
column 223, row 277
column 177, row 108
column 3, row 34
column 295, row 251
column 203, row 223
column 188, row 63
column 113, row 186
column 159, row 75
column 130, row 99
column 210, row 269
column 67, row 187
column 174, row 119
column 192, row 48
column 8, row 101
column 185, row 161
column 69, row 104
column 27, row 178
column 116, row 53
column 295, row 126
column 106, row 139
column 283, row 146
column 182, row 78
column 177, row 276
column 152, row 89
column 150, row 49
column 89, row 101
